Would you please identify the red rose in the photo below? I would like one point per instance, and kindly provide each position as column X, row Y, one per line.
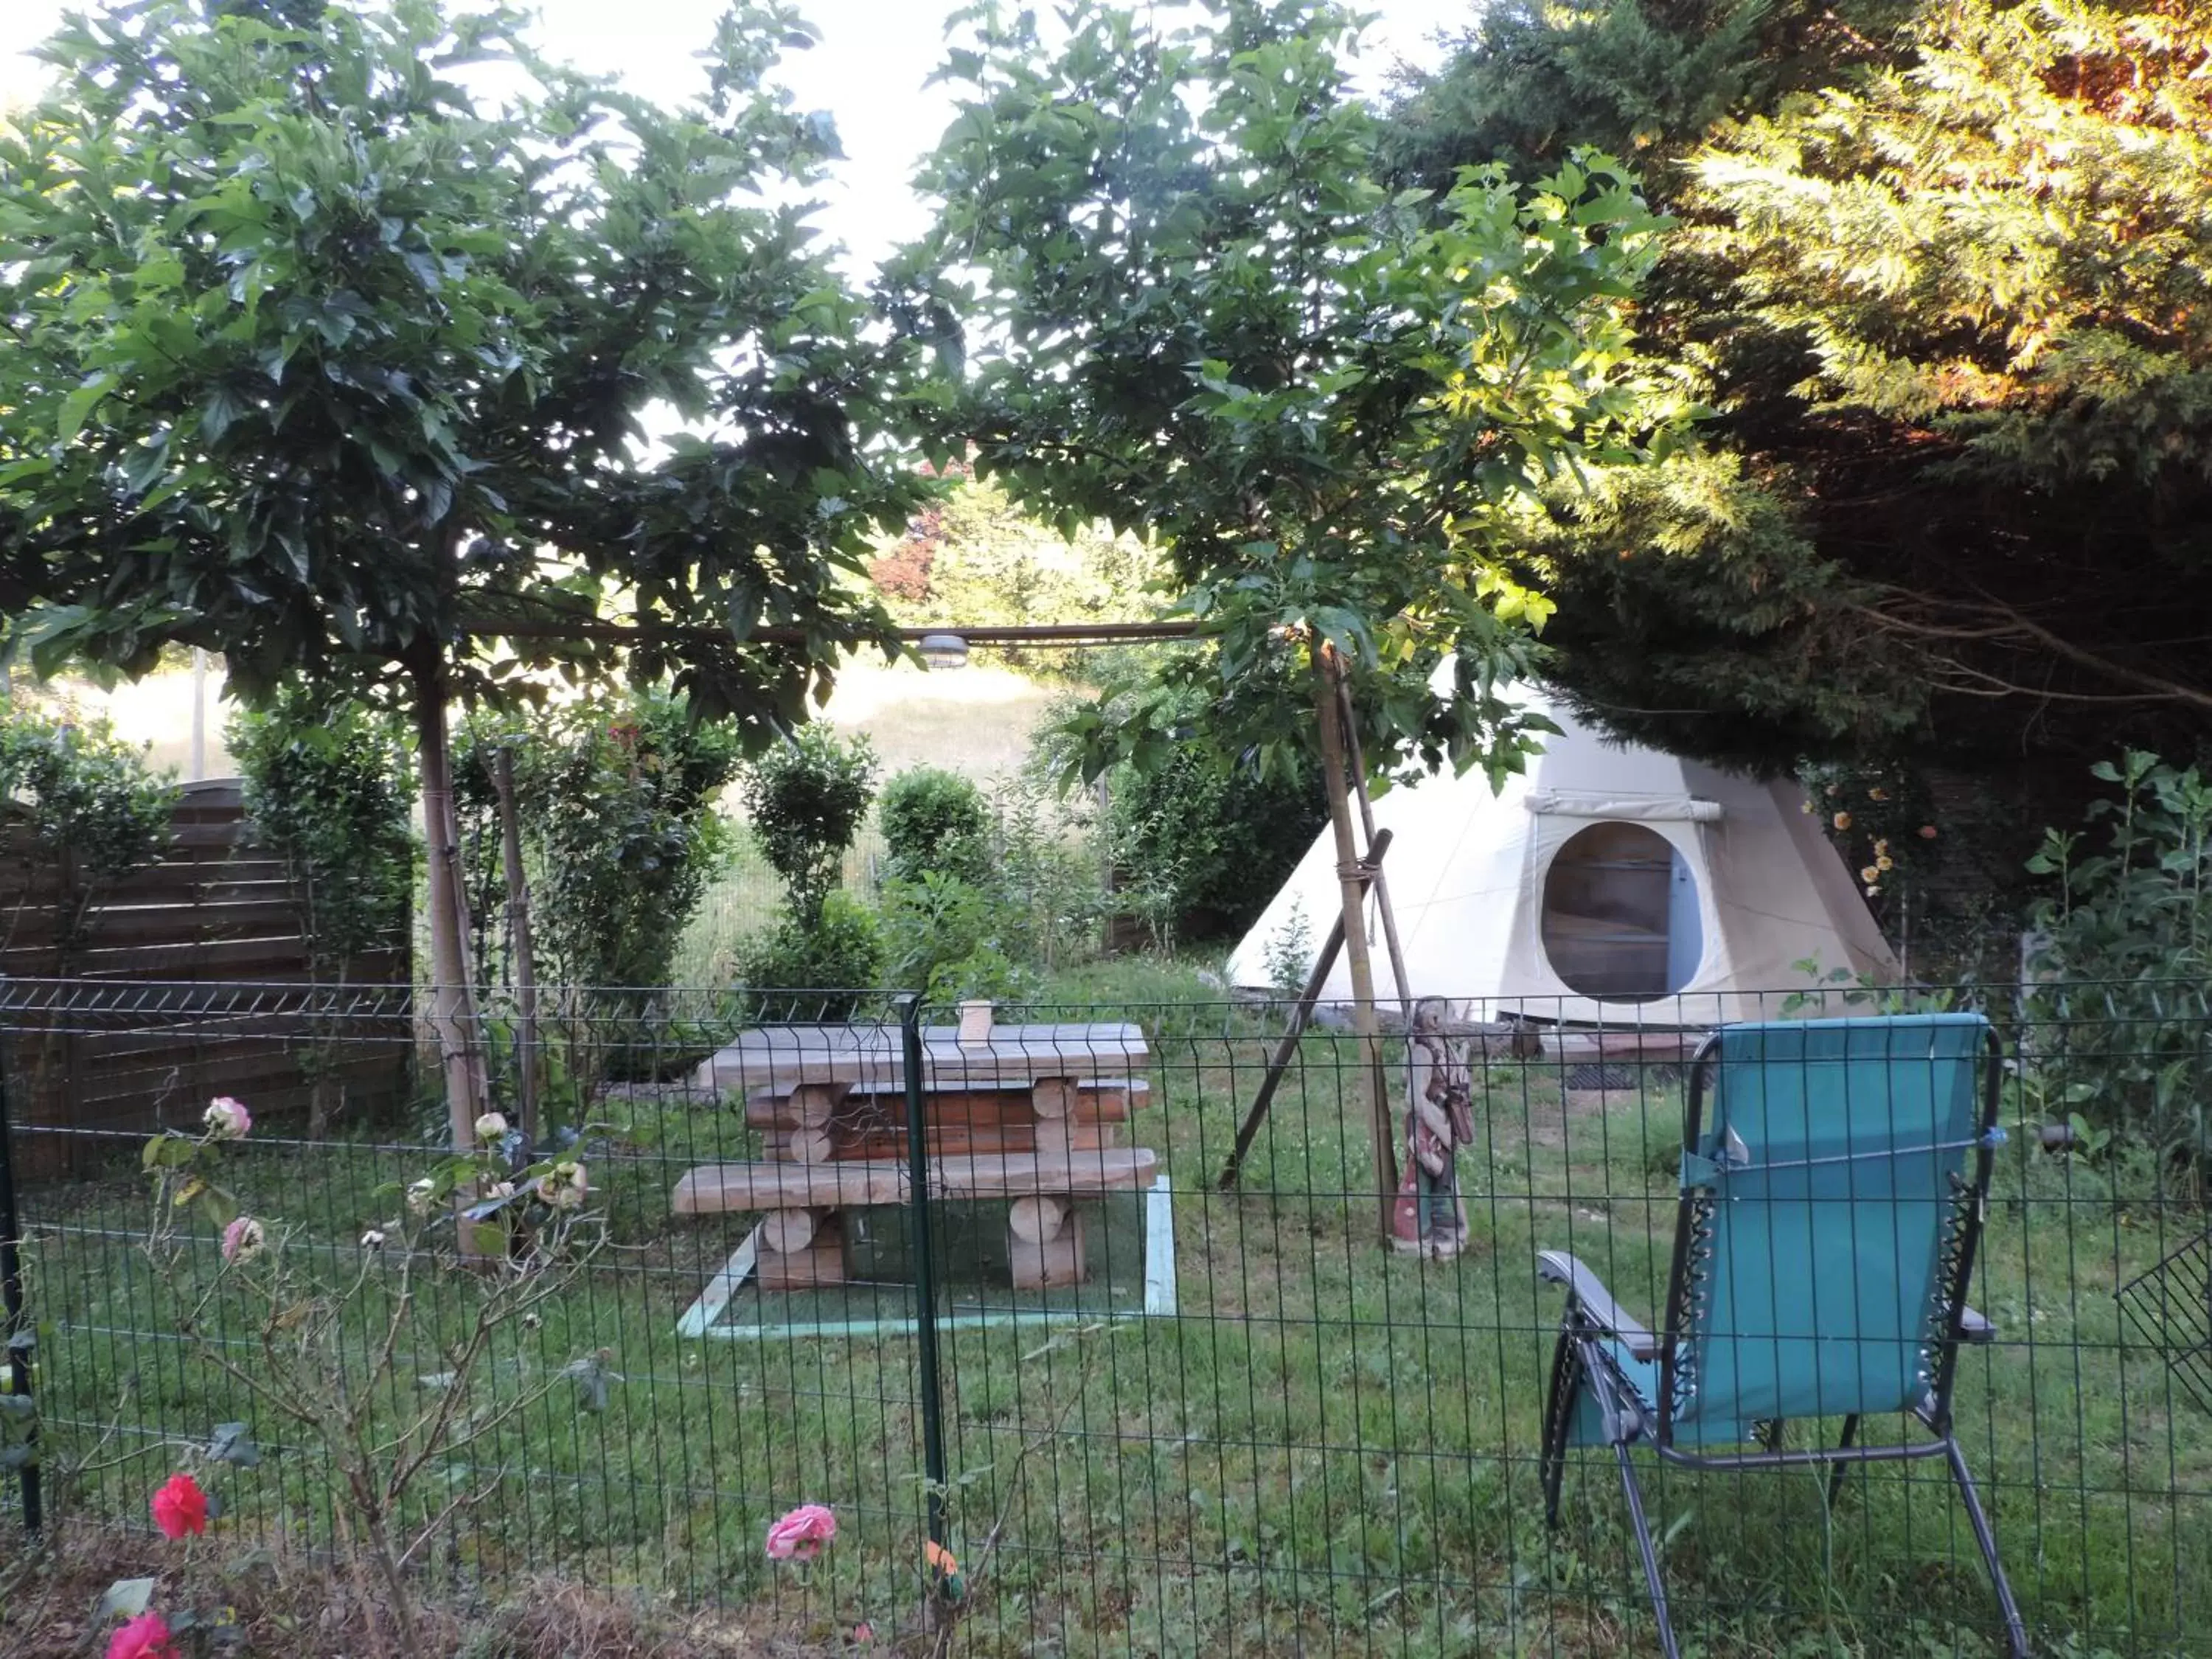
column 180, row 1507
column 144, row 1638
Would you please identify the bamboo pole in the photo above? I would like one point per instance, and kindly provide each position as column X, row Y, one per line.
column 1351, row 886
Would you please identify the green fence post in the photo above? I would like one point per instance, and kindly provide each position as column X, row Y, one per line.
column 925, row 1265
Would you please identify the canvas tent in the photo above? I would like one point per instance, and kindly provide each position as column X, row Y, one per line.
column 1604, row 884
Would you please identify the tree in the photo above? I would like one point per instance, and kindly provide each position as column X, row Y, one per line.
column 1530, row 81
column 318, row 358
column 1946, row 299
column 1330, row 408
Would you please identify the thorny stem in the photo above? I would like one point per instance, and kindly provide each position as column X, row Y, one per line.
column 948, row 1618
column 304, row 1379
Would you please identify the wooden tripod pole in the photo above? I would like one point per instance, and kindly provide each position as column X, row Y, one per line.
column 1382, row 882
column 1352, row 884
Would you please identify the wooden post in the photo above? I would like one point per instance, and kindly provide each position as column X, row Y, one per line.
column 526, row 953
column 1382, row 882
column 1351, row 887
column 199, row 714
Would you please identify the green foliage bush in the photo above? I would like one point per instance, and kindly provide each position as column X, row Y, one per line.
column 617, row 800
column 1199, row 839
column 945, row 937
column 1218, row 838
column 84, row 791
column 934, row 820
column 805, row 799
column 2122, row 976
column 1047, row 873
column 326, row 784
column 840, row 949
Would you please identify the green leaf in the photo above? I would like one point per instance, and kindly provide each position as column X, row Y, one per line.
column 126, row 1598
column 76, row 408
column 233, row 1442
column 168, row 1151
column 222, row 407
column 220, row 1207
column 594, row 1379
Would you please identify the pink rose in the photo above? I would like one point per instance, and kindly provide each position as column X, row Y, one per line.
column 227, row 1119
column 800, row 1535
column 145, row 1636
column 242, row 1238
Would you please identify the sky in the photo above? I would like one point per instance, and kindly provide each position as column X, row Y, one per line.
column 867, row 72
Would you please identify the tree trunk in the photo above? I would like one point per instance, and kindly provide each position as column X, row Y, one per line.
column 453, row 1003
column 1353, row 892
column 526, row 951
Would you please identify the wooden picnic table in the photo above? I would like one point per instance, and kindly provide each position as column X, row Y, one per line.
column 1029, row 1114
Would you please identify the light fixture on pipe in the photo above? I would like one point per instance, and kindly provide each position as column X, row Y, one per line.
column 943, row 651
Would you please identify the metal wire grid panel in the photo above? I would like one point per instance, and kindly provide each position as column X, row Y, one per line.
column 1318, row 1442
column 2170, row 1307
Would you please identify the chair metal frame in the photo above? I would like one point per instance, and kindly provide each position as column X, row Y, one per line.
column 1592, row 1317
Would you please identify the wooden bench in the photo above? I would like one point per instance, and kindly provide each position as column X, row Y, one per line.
column 801, row 1244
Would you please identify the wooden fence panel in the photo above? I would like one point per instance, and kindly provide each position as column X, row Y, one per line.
column 187, row 978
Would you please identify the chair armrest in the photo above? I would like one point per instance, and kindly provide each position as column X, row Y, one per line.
column 1588, row 1293
column 1973, row 1328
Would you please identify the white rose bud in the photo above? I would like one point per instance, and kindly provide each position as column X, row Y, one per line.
column 422, row 1196
column 373, row 1239
column 492, row 1126
column 564, row 1187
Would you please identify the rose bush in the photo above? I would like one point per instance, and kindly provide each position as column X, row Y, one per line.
column 301, row 1309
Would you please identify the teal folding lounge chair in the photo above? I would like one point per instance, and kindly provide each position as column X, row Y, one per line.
column 1833, row 1178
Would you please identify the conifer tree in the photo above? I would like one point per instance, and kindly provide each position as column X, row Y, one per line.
column 1943, row 284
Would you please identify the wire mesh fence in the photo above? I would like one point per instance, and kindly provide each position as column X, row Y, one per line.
column 1161, row 1372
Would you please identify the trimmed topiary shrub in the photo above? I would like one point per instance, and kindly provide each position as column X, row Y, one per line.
column 934, row 822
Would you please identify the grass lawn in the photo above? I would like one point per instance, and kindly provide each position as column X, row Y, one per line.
column 1327, row 1449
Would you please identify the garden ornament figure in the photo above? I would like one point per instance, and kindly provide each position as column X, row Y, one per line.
column 1429, row 1219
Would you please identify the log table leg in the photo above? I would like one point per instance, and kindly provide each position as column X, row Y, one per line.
column 1045, row 1242
column 805, row 1249
column 800, row 1250
column 1064, row 1123
column 800, row 1146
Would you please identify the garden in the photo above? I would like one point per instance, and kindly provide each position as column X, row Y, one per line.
column 628, row 1128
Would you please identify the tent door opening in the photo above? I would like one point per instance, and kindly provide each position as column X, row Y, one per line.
column 1620, row 915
